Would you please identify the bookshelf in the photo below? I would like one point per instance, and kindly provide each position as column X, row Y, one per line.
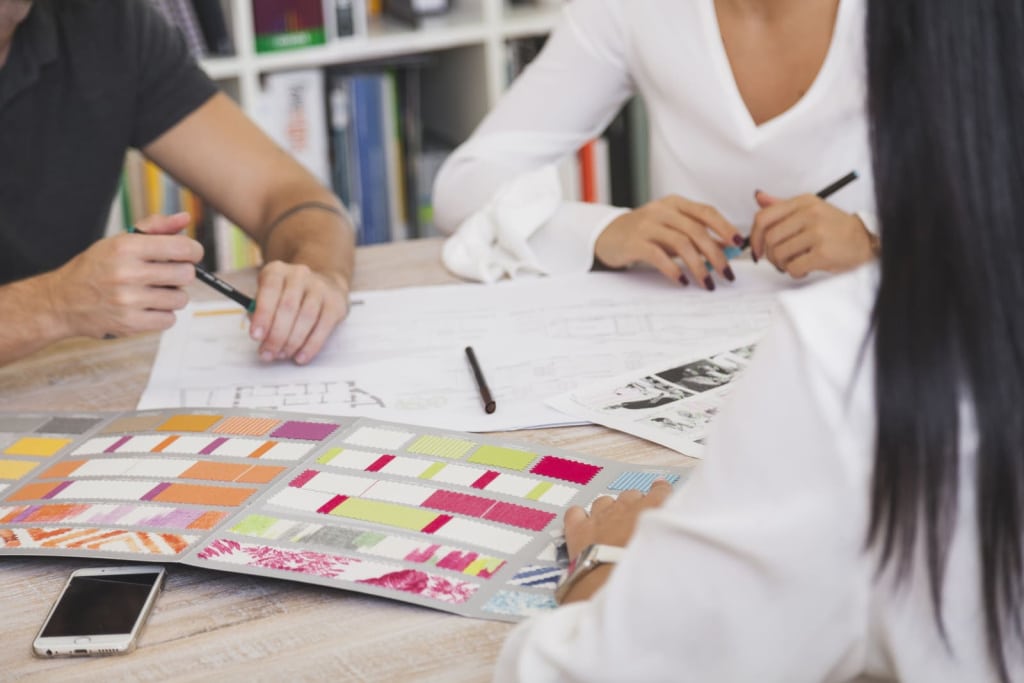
column 469, row 42
column 461, row 70
column 398, row 99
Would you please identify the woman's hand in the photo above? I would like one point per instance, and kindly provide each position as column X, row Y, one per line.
column 806, row 233
column 611, row 522
column 670, row 227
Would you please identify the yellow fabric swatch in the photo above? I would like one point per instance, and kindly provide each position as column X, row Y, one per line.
column 36, row 445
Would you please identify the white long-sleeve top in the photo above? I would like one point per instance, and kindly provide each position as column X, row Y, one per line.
column 704, row 145
column 756, row 569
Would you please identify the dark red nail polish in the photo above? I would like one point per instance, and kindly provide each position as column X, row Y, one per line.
column 729, row 274
column 737, row 240
column 709, row 284
column 753, row 255
column 683, row 281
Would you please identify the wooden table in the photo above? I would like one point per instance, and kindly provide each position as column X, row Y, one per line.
column 211, row 625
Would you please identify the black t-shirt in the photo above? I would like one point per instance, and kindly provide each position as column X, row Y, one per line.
column 84, row 81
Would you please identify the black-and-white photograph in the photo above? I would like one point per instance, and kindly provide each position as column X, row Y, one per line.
column 700, row 375
column 685, row 421
column 641, row 394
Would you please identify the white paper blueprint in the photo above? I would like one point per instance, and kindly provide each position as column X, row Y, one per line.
column 400, row 354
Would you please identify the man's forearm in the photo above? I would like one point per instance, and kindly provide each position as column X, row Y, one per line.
column 315, row 232
column 30, row 321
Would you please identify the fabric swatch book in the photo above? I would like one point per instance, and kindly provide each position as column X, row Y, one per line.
column 458, row 522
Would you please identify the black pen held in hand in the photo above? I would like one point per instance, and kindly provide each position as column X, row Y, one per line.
column 246, row 302
column 823, row 193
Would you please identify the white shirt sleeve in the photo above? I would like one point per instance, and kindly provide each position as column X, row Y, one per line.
column 754, row 571
column 582, row 69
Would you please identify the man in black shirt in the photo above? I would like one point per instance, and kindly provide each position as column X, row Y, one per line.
column 82, row 81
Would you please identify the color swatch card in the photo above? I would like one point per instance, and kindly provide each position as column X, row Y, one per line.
column 454, row 521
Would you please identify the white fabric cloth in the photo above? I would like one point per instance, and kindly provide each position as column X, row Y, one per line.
column 704, row 145
column 755, row 570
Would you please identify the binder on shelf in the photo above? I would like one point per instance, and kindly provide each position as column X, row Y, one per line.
column 410, row 108
column 288, row 24
column 344, row 172
column 214, row 27
column 369, row 126
column 394, row 155
column 621, row 160
column 413, row 11
column 292, row 113
column 343, row 15
column 182, row 14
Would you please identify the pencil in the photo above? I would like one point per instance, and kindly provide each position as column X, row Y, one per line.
column 485, row 394
column 823, row 193
column 246, row 302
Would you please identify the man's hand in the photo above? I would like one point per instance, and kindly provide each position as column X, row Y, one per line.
column 296, row 311
column 125, row 285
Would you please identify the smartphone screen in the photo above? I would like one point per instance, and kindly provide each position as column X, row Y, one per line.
column 99, row 611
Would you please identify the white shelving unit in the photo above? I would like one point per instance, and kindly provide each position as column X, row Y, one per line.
column 468, row 44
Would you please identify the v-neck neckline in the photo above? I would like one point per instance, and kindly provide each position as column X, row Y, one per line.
column 753, row 131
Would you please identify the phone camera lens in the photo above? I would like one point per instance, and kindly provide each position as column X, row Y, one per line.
column 49, row 653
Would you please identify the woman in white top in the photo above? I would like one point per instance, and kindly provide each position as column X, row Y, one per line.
column 860, row 511
column 740, row 95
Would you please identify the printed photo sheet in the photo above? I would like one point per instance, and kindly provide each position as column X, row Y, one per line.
column 672, row 405
column 453, row 521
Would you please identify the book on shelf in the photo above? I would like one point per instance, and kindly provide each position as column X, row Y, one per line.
column 202, row 24
column 235, row 250
column 368, row 111
column 343, row 14
column 414, row 11
column 214, row 26
column 145, row 190
column 292, row 112
column 382, row 168
column 182, row 14
column 288, row 24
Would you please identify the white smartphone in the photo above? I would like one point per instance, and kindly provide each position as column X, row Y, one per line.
column 100, row 611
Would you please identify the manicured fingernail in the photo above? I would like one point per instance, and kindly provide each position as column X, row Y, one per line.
column 683, row 281
column 281, row 355
column 753, row 255
column 709, row 284
column 737, row 240
column 756, row 192
column 729, row 274
column 779, row 269
column 301, row 359
column 257, row 333
column 266, row 356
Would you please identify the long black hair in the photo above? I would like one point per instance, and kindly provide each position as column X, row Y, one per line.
column 946, row 104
